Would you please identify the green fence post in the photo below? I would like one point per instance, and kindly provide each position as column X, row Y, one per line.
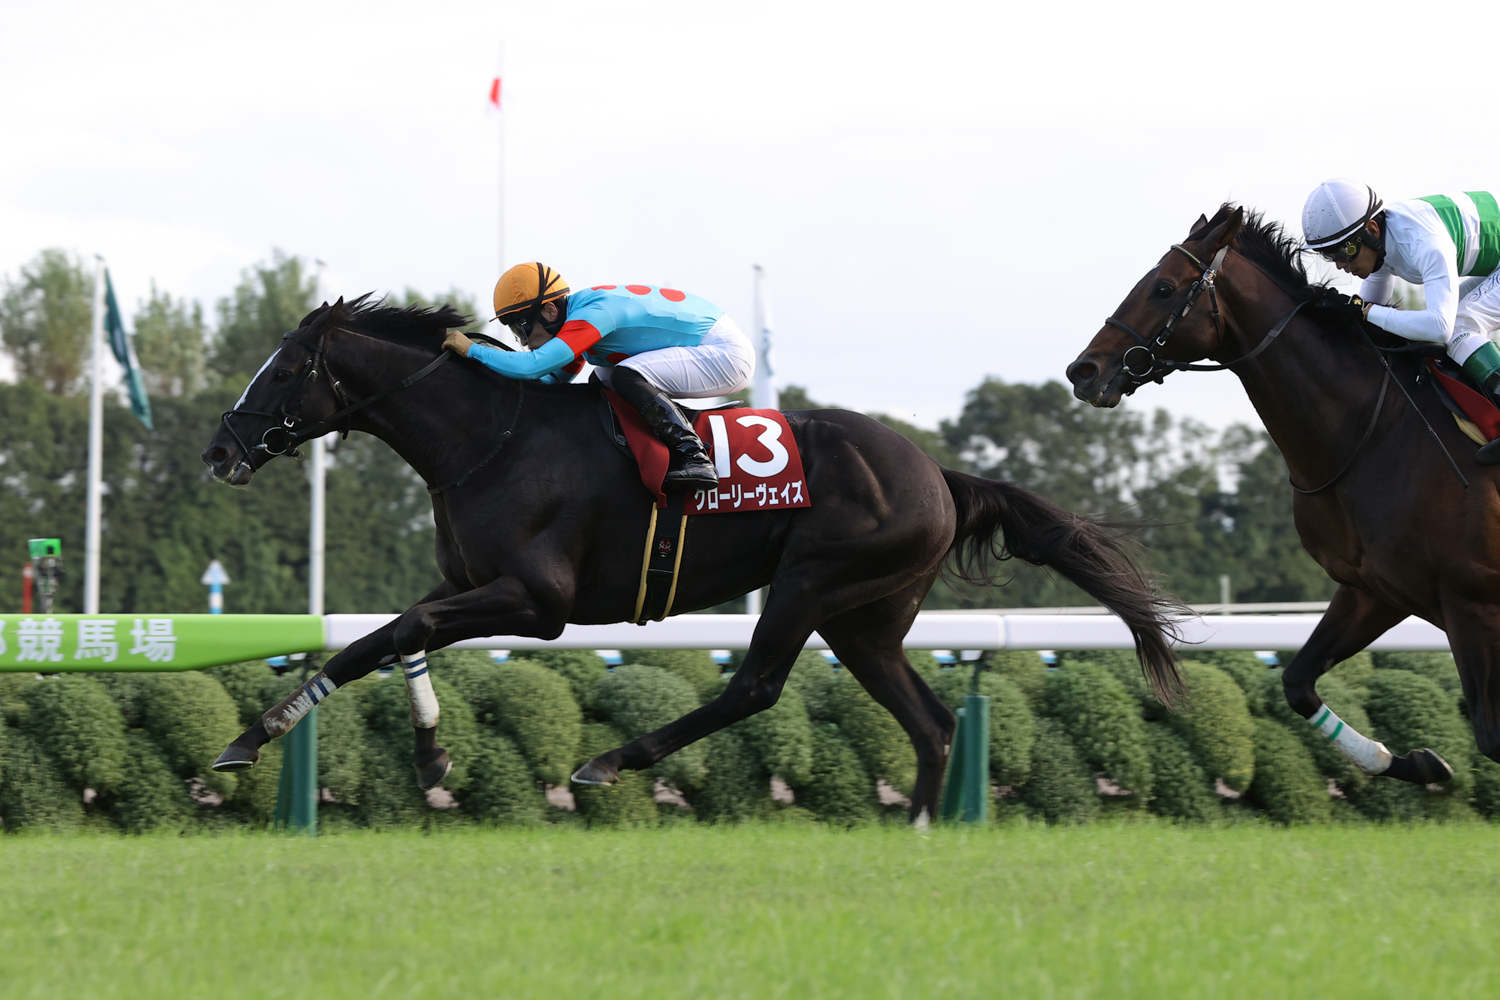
column 974, row 737
column 297, row 794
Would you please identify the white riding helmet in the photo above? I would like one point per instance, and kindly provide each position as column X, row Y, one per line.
column 1335, row 210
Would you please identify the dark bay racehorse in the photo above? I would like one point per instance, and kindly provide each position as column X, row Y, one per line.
column 541, row 521
column 1377, row 503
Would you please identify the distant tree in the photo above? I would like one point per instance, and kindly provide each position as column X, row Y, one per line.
column 269, row 300
column 171, row 342
column 45, row 317
column 795, row 397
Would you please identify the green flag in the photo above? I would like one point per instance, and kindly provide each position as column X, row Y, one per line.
column 124, row 350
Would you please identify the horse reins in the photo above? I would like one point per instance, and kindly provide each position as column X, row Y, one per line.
column 1156, row 368
column 287, row 436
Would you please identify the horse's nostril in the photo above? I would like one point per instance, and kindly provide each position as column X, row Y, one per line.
column 217, row 455
column 1082, row 372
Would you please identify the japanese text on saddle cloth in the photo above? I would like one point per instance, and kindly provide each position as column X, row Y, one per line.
column 753, row 452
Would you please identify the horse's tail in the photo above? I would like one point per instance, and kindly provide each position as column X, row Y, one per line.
column 1043, row 534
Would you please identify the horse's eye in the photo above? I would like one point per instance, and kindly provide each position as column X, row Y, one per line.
column 281, row 375
column 1162, row 290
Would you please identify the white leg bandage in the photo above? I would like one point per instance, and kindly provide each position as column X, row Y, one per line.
column 424, row 703
column 292, row 711
column 1367, row 755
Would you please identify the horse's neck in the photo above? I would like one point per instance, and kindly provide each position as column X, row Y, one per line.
column 1313, row 393
column 442, row 425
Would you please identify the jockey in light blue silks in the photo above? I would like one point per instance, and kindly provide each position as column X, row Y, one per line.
column 1447, row 243
column 648, row 344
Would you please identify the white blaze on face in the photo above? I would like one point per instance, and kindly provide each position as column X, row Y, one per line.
column 241, row 401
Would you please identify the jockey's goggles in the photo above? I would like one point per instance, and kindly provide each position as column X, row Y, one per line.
column 1345, row 251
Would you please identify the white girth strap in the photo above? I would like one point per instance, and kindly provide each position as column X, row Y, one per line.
column 1366, row 754
column 424, row 703
column 279, row 723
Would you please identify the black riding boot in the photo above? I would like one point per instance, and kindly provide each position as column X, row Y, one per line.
column 1489, row 454
column 690, row 464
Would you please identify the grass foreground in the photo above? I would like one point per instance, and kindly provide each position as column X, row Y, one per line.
column 1112, row 910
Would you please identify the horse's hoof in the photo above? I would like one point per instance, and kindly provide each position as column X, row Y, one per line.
column 237, row 758
column 432, row 768
column 1420, row 767
column 596, row 773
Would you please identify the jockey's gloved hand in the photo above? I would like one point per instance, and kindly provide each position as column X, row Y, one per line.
column 1355, row 309
column 457, row 343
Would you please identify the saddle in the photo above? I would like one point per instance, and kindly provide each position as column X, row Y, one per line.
column 759, row 467
column 1473, row 410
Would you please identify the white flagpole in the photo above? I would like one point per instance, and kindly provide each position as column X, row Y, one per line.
column 764, row 394
column 96, row 448
column 317, row 476
column 500, row 128
column 763, row 390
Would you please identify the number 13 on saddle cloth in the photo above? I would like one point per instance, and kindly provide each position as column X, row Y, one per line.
column 753, row 452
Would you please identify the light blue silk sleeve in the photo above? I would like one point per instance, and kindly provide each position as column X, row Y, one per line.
column 524, row 364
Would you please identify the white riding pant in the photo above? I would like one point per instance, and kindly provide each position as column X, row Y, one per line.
column 1478, row 316
column 721, row 363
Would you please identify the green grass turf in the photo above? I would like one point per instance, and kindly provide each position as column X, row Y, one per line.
column 1130, row 910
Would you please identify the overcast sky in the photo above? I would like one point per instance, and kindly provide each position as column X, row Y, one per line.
column 937, row 191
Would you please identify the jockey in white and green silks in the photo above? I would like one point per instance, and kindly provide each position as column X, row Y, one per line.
column 1447, row 243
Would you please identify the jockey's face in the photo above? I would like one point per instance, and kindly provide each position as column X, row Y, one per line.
column 537, row 334
column 1363, row 264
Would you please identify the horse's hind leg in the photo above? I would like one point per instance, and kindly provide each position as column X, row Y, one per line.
column 789, row 618
column 867, row 641
column 1353, row 620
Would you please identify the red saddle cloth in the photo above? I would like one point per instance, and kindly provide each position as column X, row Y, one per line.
column 1476, row 406
column 754, row 452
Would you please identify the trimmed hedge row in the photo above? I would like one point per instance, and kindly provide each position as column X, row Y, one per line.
column 132, row 751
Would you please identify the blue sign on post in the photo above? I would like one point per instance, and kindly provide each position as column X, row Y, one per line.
column 214, row 578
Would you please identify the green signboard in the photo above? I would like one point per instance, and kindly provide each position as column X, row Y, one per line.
column 50, row 644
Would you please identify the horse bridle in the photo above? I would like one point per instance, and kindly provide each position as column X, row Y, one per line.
column 1155, row 369
column 284, row 437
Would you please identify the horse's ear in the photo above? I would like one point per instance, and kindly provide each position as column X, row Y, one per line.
column 1197, row 227
column 1224, row 232
column 336, row 311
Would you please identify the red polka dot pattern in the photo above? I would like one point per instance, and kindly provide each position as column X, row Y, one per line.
column 638, row 289
column 602, row 288
column 672, row 294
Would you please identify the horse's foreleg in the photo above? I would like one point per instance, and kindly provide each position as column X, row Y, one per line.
column 1353, row 620
column 503, row 607
column 349, row 665
column 1472, row 632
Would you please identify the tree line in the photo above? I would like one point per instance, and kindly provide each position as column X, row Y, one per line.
column 1199, row 502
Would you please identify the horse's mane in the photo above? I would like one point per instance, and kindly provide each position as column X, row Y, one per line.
column 1268, row 245
column 419, row 326
column 1279, row 254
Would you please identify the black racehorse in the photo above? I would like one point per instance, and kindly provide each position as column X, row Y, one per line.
column 541, row 521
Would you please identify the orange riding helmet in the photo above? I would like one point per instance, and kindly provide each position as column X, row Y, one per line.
column 523, row 289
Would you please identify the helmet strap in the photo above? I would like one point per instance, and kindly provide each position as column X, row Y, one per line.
column 1377, row 242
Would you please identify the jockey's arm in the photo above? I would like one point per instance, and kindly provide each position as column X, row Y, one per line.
column 1434, row 324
